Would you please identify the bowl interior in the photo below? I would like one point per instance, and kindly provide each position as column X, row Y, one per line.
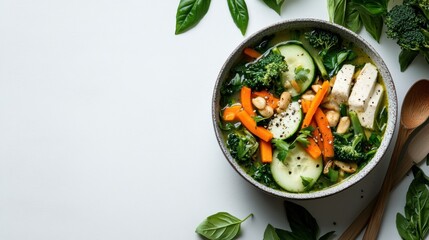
column 348, row 36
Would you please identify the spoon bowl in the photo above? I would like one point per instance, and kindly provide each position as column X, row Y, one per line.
column 415, row 108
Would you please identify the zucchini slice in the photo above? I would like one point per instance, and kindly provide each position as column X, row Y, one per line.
column 298, row 172
column 287, row 123
column 301, row 68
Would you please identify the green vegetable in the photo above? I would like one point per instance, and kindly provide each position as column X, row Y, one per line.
column 302, row 224
column 350, row 151
column 415, row 224
column 239, row 14
column 189, row 13
column 242, row 145
column 276, row 5
column 263, row 72
column 220, row 226
column 322, row 40
column 409, row 26
column 354, row 14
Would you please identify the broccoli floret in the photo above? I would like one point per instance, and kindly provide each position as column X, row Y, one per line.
column 322, row 40
column 242, row 145
column 403, row 19
column 349, row 152
column 265, row 71
column 408, row 25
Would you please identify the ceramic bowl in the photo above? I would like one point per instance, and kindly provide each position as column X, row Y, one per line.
column 346, row 34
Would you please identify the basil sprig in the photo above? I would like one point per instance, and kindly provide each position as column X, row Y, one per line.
column 354, row 14
column 239, row 14
column 302, row 224
column 220, row 226
column 415, row 224
column 190, row 12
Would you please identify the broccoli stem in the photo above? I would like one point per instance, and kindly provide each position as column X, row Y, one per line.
column 357, row 127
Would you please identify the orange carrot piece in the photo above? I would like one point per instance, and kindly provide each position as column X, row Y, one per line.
column 316, row 135
column 250, row 124
column 305, row 104
column 251, row 52
column 229, row 113
column 266, row 151
column 246, row 100
column 313, row 148
column 325, row 130
column 318, row 98
column 269, row 97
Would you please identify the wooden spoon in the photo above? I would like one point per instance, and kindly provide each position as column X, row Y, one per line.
column 415, row 111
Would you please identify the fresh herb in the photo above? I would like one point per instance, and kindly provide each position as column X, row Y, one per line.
column 276, row 5
column 242, row 145
column 224, row 226
column 220, row 226
column 354, row 14
column 190, row 12
column 415, row 224
column 301, row 222
column 283, row 147
column 239, row 14
column 301, row 74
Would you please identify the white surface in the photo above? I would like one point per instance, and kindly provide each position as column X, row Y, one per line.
column 105, row 125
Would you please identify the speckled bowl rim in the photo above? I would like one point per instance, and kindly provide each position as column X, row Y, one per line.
column 347, row 35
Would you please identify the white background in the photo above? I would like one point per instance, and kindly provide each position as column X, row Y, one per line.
column 106, row 129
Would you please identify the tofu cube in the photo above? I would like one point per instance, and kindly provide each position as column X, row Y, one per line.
column 368, row 116
column 364, row 87
column 343, row 83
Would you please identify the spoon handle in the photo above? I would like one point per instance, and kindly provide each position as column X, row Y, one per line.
column 377, row 215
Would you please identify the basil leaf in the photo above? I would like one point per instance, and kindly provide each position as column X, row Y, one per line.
column 301, row 222
column 404, row 228
column 189, row 13
column 373, row 24
column 220, row 226
column 239, row 14
column 286, row 235
column 276, row 5
column 327, row 235
column 337, row 10
column 352, row 20
column 406, row 57
column 270, row 233
column 415, row 223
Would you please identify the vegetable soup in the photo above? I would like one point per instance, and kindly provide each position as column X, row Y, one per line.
column 303, row 110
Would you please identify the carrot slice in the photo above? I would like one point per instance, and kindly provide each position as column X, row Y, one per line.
column 246, row 100
column 325, row 131
column 251, row 52
column 305, row 104
column 295, row 86
column 313, row 148
column 229, row 113
column 269, row 97
column 266, row 151
column 250, row 124
column 318, row 98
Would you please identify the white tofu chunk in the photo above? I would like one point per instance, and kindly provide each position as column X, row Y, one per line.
column 367, row 117
column 364, row 87
column 343, row 83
